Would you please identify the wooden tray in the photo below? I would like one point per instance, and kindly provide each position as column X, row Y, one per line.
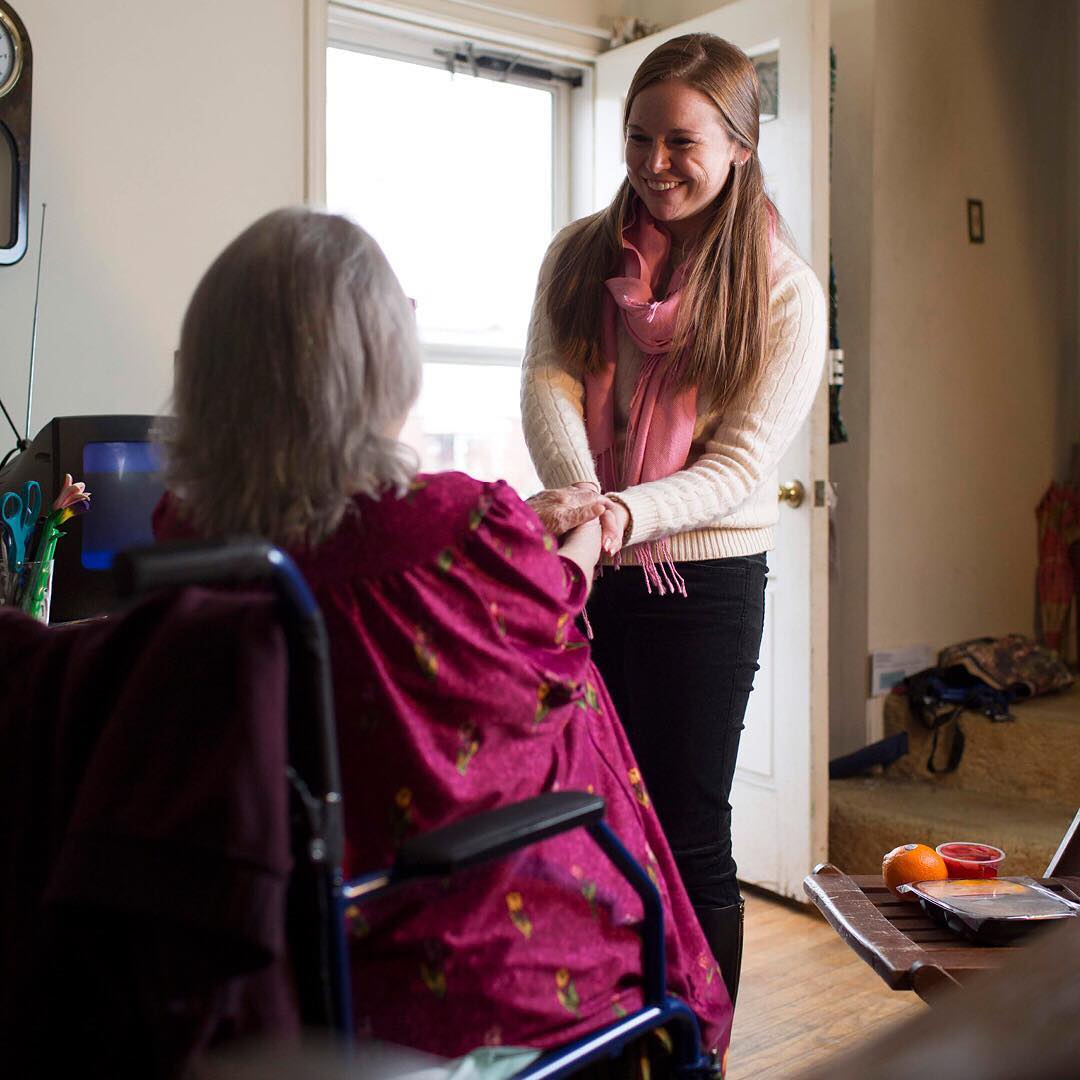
column 902, row 944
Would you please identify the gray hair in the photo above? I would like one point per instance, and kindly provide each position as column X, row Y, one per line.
column 298, row 354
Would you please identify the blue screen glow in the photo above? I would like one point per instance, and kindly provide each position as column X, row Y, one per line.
column 124, row 479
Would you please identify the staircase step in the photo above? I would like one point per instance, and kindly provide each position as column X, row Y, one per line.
column 1034, row 756
column 868, row 817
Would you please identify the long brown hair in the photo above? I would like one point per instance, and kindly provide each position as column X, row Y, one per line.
column 298, row 353
column 723, row 312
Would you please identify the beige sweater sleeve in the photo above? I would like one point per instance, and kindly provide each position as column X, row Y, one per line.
column 748, row 441
column 553, row 400
column 742, row 450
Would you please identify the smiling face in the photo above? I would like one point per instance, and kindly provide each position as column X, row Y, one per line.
column 678, row 154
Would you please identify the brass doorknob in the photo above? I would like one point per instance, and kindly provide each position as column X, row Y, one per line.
column 792, row 493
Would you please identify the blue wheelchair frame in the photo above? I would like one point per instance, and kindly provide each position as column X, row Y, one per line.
column 320, row 893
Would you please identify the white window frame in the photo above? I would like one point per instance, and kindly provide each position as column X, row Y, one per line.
column 406, row 34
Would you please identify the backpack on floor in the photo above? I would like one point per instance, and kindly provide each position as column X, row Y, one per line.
column 1013, row 664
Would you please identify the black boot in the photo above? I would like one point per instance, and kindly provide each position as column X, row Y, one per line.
column 723, row 929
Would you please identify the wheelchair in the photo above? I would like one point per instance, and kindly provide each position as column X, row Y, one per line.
column 319, row 892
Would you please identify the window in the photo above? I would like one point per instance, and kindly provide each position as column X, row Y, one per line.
column 455, row 162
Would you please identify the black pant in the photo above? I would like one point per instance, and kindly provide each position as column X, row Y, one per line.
column 680, row 670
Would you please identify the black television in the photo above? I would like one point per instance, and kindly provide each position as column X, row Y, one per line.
column 120, row 463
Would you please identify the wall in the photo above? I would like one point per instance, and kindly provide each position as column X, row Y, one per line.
column 969, row 341
column 160, row 129
column 581, row 25
column 672, row 11
column 972, row 348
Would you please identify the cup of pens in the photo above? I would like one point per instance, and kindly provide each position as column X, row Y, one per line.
column 28, row 553
column 37, row 592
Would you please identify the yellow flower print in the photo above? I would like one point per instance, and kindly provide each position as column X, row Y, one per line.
column 588, row 888
column 644, row 1066
column 401, row 816
column 638, row 787
column 445, row 560
column 434, row 979
column 425, row 655
column 616, row 1007
column 542, row 708
column 358, row 926
column 497, row 618
column 515, row 905
column 651, row 865
column 709, row 966
column 479, row 512
column 468, row 745
column 590, row 699
column 549, row 542
column 566, row 992
column 560, row 628
column 414, row 487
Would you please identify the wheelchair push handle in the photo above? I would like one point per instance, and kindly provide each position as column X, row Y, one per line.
column 192, row 562
column 235, row 560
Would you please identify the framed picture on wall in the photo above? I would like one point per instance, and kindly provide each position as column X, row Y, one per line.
column 767, row 67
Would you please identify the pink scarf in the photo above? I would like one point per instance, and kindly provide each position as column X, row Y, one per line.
column 660, row 426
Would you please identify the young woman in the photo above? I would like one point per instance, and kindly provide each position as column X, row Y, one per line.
column 676, row 346
column 460, row 681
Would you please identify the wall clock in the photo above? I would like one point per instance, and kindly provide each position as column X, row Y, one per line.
column 16, row 69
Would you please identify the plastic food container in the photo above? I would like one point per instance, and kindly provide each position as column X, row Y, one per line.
column 967, row 859
column 991, row 912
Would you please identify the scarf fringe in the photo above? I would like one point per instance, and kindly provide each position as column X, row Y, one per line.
column 658, row 566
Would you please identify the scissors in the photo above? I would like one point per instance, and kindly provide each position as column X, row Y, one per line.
column 19, row 515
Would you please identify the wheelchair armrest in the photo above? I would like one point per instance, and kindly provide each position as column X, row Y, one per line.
column 495, row 832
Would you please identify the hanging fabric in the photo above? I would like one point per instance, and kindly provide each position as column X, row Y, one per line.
column 837, row 431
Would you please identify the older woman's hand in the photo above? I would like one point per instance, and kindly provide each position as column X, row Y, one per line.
column 563, row 509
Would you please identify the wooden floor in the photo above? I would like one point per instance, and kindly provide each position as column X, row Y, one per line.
column 804, row 994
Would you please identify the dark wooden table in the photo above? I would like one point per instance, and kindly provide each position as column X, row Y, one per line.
column 904, row 946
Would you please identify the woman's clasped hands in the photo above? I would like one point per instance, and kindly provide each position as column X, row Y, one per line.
column 563, row 509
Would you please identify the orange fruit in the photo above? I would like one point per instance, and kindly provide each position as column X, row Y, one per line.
column 912, row 862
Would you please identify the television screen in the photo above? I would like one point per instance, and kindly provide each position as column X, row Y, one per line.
column 125, row 480
column 118, row 459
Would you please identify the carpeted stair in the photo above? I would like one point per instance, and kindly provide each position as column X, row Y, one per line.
column 1018, row 786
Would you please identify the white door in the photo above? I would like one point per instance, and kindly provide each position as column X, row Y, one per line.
column 780, row 796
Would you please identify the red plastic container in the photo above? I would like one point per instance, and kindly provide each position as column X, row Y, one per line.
column 966, row 859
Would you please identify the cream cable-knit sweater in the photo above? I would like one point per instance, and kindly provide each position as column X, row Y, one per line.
column 723, row 502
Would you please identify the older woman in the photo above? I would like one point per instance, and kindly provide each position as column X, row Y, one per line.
column 460, row 680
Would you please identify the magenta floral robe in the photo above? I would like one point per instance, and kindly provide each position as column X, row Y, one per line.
column 461, row 683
